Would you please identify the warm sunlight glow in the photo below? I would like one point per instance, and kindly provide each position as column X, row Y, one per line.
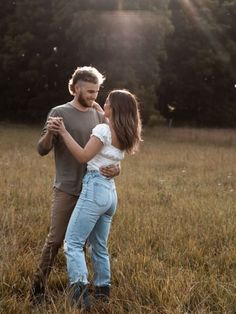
column 204, row 19
column 128, row 26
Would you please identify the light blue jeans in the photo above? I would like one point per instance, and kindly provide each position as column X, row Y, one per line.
column 91, row 219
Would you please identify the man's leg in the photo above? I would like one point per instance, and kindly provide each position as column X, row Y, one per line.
column 62, row 207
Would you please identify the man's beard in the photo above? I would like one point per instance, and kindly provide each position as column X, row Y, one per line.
column 83, row 101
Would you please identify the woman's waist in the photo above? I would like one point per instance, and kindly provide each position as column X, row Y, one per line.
column 96, row 175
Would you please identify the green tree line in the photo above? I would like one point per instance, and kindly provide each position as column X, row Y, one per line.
column 178, row 56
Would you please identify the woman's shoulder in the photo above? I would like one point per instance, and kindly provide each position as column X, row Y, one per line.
column 102, row 131
column 102, row 127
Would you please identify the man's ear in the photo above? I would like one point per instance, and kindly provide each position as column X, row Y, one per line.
column 77, row 88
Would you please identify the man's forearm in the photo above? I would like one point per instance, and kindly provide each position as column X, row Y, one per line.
column 111, row 171
column 45, row 144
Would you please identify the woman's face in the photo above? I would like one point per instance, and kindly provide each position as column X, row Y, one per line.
column 107, row 108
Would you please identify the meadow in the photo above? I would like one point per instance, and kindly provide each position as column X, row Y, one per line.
column 173, row 239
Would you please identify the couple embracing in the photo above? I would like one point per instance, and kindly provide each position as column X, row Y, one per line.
column 88, row 144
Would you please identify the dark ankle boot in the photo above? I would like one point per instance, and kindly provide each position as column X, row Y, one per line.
column 102, row 293
column 79, row 296
column 37, row 293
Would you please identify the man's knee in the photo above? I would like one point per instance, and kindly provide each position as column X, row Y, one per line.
column 53, row 243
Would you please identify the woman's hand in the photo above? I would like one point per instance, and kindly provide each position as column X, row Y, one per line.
column 97, row 107
column 53, row 124
column 56, row 125
column 61, row 128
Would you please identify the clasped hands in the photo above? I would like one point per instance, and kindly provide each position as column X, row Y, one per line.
column 55, row 125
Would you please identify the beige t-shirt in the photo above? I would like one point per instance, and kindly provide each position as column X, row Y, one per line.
column 69, row 172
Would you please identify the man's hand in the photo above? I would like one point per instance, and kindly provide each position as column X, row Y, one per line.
column 110, row 171
column 53, row 124
column 45, row 143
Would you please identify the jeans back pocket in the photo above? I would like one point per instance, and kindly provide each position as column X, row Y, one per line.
column 101, row 194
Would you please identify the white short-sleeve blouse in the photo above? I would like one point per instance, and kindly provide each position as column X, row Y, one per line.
column 108, row 155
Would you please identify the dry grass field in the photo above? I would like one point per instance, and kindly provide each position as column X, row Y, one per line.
column 173, row 239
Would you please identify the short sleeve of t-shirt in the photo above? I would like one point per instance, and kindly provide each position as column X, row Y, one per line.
column 102, row 132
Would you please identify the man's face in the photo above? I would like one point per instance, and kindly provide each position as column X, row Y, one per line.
column 87, row 93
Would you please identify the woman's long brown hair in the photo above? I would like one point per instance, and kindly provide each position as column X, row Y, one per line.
column 126, row 120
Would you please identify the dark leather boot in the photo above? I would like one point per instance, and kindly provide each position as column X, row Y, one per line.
column 102, row 293
column 37, row 293
column 79, row 296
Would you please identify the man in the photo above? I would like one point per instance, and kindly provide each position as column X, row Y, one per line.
column 80, row 116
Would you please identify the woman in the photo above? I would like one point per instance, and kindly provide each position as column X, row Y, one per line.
column 92, row 216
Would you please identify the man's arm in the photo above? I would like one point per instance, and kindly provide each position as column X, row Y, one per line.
column 110, row 171
column 45, row 143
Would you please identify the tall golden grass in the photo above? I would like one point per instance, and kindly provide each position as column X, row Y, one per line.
column 173, row 239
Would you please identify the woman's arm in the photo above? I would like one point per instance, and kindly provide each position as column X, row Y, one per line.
column 85, row 154
column 97, row 107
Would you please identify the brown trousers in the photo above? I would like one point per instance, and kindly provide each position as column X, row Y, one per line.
column 62, row 207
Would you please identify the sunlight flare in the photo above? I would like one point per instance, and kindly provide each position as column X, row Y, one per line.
column 204, row 19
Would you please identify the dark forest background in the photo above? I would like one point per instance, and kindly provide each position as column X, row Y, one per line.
column 178, row 56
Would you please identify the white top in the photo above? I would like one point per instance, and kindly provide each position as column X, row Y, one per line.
column 109, row 154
